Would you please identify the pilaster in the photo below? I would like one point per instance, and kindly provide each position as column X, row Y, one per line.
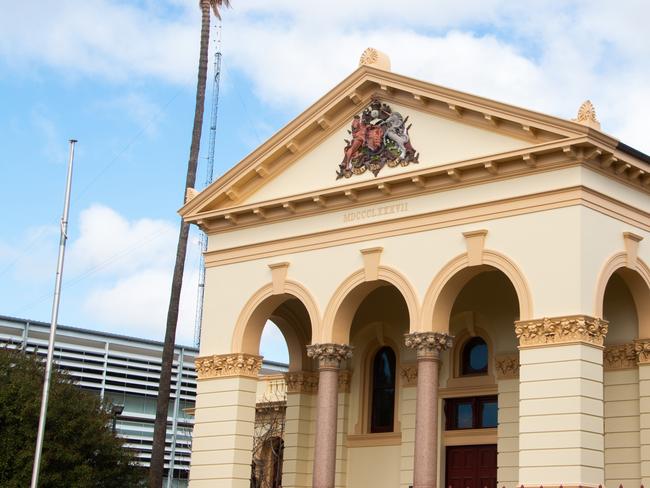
column 642, row 350
column 507, row 372
column 561, row 439
column 222, row 440
column 621, row 397
column 299, row 429
column 408, row 394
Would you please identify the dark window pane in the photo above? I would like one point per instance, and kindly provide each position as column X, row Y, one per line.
column 489, row 413
column 474, row 357
column 383, row 391
column 464, row 416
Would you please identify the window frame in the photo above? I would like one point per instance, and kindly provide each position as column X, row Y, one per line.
column 450, row 408
column 372, row 428
column 464, row 359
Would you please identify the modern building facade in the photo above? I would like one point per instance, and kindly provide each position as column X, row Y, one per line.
column 463, row 286
column 124, row 371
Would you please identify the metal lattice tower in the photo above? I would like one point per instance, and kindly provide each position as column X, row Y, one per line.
column 208, row 177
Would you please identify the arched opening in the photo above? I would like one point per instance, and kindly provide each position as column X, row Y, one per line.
column 620, row 310
column 279, row 327
column 626, row 305
column 292, row 314
column 377, row 329
column 480, row 309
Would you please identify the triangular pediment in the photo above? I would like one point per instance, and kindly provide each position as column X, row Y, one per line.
column 444, row 126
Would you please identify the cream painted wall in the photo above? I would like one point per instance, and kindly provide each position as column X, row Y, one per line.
column 601, row 238
column 438, row 140
column 376, row 467
column 418, row 205
column 544, row 245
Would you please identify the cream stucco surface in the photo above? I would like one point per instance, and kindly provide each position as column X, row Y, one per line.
column 467, row 259
column 438, row 140
column 364, row 463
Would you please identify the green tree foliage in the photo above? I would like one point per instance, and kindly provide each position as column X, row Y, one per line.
column 79, row 449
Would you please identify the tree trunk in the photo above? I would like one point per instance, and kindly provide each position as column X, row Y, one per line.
column 156, row 470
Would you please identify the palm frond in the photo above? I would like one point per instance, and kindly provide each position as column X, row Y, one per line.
column 216, row 4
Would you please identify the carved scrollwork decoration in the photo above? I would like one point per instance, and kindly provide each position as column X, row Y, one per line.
column 557, row 330
column 223, row 365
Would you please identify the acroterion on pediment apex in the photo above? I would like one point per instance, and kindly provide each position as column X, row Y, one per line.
column 375, row 58
column 587, row 115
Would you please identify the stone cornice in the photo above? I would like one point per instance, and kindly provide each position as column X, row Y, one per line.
column 535, row 159
column 428, row 344
column 338, row 106
column 329, row 355
column 507, row 366
column 621, row 356
column 225, row 365
column 561, row 330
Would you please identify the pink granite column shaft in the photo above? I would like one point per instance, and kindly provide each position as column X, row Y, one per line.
column 428, row 346
column 329, row 358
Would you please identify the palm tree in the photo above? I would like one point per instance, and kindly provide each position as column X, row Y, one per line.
column 160, row 428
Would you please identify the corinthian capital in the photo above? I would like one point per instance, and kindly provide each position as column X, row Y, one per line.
column 428, row 344
column 329, row 355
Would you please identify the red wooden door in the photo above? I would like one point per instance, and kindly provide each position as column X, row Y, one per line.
column 471, row 466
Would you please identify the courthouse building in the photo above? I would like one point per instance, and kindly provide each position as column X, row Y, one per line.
column 463, row 286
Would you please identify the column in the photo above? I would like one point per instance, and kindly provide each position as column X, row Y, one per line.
column 299, row 429
column 329, row 358
column 642, row 349
column 222, row 440
column 428, row 346
column 561, row 428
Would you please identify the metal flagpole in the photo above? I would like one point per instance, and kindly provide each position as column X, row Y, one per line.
column 55, row 316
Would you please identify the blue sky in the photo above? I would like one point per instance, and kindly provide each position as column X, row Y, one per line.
column 120, row 77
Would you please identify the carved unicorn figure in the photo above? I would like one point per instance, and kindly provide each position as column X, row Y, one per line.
column 395, row 132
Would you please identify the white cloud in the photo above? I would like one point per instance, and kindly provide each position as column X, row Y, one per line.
column 117, row 275
column 137, row 305
column 110, row 244
column 550, row 57
column 114, row 40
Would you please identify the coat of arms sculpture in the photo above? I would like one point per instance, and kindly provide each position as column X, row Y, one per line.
column 379, row 137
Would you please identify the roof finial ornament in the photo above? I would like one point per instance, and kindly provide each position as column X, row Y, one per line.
column 587, row 115
column 376, row 59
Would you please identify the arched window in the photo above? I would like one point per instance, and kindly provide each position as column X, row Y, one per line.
column 474, row 357
column 383, row 391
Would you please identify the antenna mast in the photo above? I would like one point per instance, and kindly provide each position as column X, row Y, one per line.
column 208, row 178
